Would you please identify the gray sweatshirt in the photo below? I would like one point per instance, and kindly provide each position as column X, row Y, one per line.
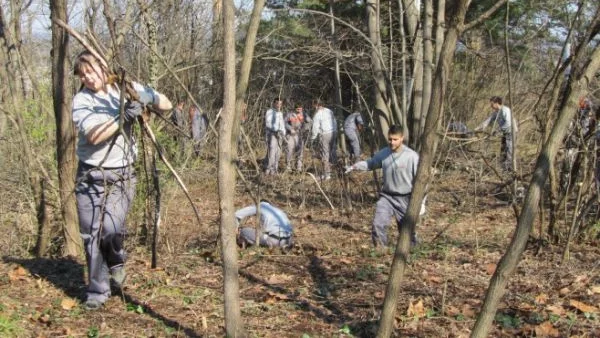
column 273, row 221
column 398, row 169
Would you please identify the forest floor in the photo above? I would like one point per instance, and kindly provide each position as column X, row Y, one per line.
column 331, row 284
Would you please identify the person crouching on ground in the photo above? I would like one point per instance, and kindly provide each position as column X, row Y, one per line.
column 105, row 176
column 399, row 164
column 276, row 229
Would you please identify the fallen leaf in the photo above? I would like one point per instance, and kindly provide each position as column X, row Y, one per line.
column 583, row 307
column 556, row 309
column 68, row 303
column 490, row 268
column 542, row 298
column 379, row 295
column 18, row 273
column 204, row 323
column 416, row 309
column 581, row 279
column 346, row 261
column 279, row 279
column 546, row 329
column 435, row 279
column 595, row 289
column 273, row 296
column 467, row 311
column 526, row 307
column 451, row 311
column 564, row 291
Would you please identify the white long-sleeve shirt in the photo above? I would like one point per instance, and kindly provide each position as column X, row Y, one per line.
column 502, row 117
column 323, row 123
column 274, row 121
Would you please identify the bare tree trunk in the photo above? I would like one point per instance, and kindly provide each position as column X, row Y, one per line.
column 429, row 145
column 227, row 177
column 246, row 66
column 439, row 29
column 217, row 47
column 577, row 86
column 427, row 62
column 65, row 133
column 429, row 141
column 382, row 114
column 337, row 81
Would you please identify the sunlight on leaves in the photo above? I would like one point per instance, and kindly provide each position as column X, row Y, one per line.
column 416, row 309
column 546, row 329
column 490, row 268
column 556, row 309
column 583, row 307
column 68, row 303
column 467, row 311
column 279, row 279
column 542, row 298
column 18, row 273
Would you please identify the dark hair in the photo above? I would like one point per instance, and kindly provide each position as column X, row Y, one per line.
column 85, row 58
column 395, row 130
column 496, row 99
column 317, row 103
column 264, row 200
column 277, row 99
column 297, row 105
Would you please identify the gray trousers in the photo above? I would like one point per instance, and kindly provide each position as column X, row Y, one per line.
column 328, row 143
column 248, row 236
column 295, row 148
column 273, row 153
column 103, row 200
column 507, row 150
column 353, row 143
column 387, row 207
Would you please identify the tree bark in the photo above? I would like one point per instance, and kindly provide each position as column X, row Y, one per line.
column 226, row 176
column 65, row 133
column 429, row 141
column 382, row 114
column 427, row 62
column 577, row 86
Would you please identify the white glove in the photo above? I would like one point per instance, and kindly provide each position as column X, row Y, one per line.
column 147, row 95
column 349, row 169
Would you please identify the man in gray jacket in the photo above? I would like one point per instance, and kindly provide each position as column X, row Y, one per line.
column 324, row 128
column 399, row 168
column 502, row 116
column 276, row 229
column 275, row 132
column 353, row 125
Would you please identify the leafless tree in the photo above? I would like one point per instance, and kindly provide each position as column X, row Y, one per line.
column 65, row 131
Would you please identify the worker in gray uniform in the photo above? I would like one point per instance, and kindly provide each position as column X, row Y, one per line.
column 502, row 116
column 399, row 169
column 276, row 229
column 106, row 178
column 324, row 129
column 353, row 125
column 275, row 133
column 295, row 123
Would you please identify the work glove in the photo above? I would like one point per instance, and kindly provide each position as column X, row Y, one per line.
column 349, row 169
column 133, row 109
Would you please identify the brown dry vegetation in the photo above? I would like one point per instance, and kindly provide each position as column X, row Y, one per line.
column 330, row 285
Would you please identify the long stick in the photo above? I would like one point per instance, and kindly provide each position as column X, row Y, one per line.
column 320, row 189
column 166, row 162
